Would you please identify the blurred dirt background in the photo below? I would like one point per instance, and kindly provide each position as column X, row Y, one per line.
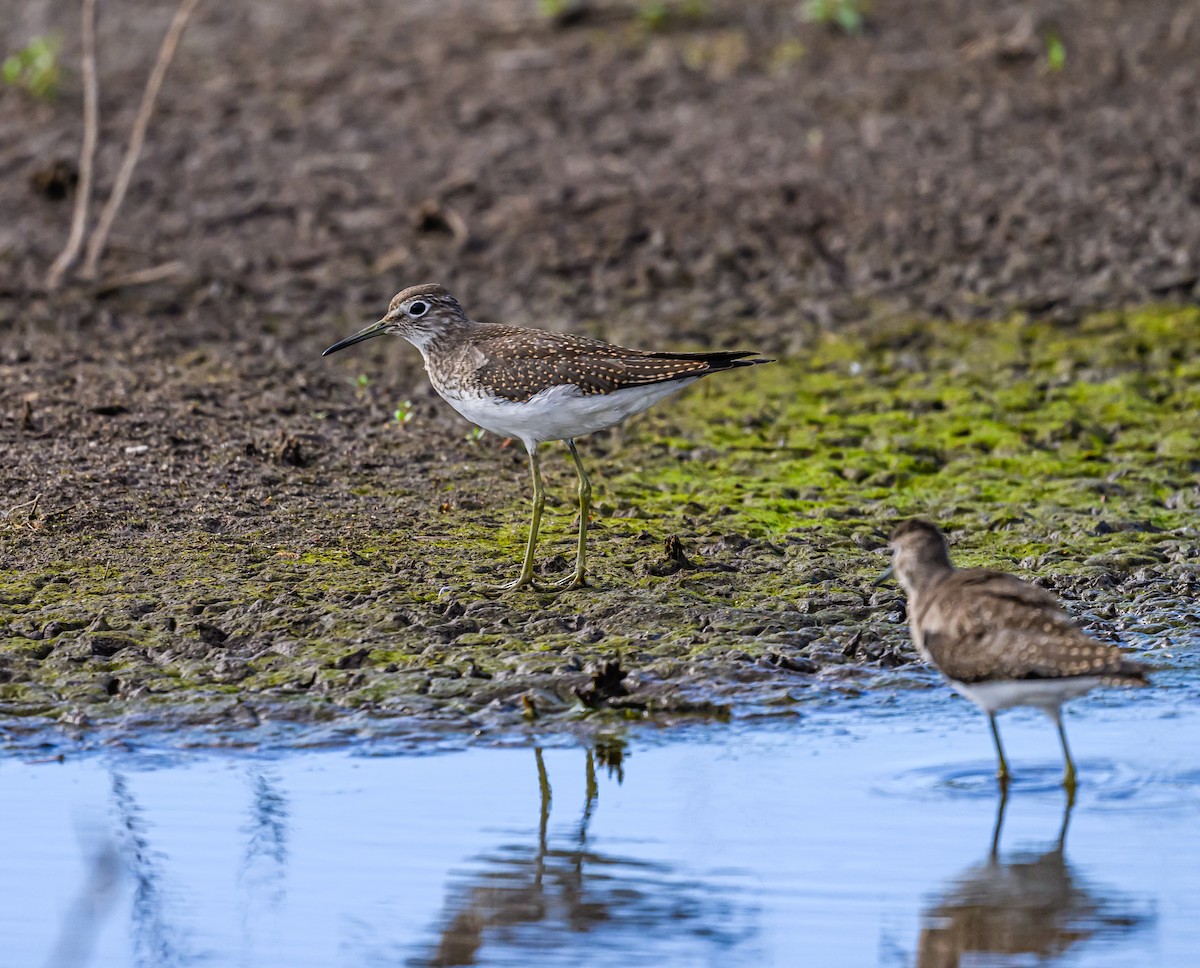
column 731, row 172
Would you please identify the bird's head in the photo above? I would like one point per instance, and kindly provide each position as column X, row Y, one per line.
column 919, row 553
column 419, row 314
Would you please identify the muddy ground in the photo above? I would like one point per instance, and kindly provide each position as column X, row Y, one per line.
column 929, row 222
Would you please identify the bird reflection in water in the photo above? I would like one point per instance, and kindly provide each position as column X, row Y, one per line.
column 1020, row 905
column 557, row 894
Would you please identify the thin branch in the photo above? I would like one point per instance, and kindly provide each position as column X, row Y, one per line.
column 136, row 138
column 142, row 277
column 87, row 154
column 32, row 505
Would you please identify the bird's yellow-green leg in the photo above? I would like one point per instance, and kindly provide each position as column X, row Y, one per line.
column 525, row 579
column 1069, row 773
column 585, row 510
column 1002, row 773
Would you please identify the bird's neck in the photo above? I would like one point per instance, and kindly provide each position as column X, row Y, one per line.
column 446, row 337
column 921, row 581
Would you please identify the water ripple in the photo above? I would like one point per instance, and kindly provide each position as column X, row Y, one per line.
column 1103, row 783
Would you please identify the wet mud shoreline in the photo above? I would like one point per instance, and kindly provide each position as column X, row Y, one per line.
column 978, row 271
column 737, row 533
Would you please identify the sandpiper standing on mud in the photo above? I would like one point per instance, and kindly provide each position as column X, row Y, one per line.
column 1000, row 641
column 536, row 386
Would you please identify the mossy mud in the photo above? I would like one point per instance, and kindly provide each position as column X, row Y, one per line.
column 222, row 576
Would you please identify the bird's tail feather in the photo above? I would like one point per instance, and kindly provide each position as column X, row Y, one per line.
column 1129, row 673
column 716, row 359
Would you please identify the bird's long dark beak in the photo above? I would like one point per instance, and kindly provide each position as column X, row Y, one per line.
column 373, row 330
column 887, row 573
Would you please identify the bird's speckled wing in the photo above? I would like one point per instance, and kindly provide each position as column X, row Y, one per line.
column 518, row 363
column 979, row 624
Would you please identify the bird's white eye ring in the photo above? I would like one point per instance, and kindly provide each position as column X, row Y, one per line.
column 418, row 309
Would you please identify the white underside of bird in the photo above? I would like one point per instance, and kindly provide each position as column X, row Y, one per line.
column 558, row 412
column 1044, row 694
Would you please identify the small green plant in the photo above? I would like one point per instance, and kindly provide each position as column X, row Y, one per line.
column 1056, row 53
column 404, row 413
column 655, row 15
column 35, row 67
column 566, row 13
column 475, row 434
column 786, row 55
column 850, row 15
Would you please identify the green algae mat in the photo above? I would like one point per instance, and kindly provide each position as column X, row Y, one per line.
column 737, row 529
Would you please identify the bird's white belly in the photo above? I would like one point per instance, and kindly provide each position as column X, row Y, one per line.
column 1044, row 694
column 558, row 412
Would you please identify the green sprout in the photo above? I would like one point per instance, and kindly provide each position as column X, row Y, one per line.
column 850, row 15
column 35, row 67
column 404, row 413
column 786, row 54
column 1056, row 53
column 655, row 15
column 475, row 434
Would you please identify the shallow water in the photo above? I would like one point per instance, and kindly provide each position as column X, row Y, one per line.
column 854, row 836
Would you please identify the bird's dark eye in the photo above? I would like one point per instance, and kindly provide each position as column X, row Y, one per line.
column 418, row 309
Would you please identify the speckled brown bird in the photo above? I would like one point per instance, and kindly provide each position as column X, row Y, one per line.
column 1000, row 641
column 536, row 386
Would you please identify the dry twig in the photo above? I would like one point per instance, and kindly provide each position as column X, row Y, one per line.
column 142, row 277
column 32, row 505
column 136, row 138
column 87, row 154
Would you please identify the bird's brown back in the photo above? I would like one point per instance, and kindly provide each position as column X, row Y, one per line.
column 516, row 363
column 979, row 624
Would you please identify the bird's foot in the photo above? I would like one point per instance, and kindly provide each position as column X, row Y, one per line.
column 524, row 581
column 571, row 582
column 1069, row 786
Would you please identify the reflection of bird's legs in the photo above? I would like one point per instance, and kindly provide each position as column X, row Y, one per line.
column 590, row 802
column 1069, row 773
column 544, row 817
column 1000, row 808
column 1002, row 773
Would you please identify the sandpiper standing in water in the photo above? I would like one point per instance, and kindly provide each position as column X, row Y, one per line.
column 535, row 385
column 1000, row 641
